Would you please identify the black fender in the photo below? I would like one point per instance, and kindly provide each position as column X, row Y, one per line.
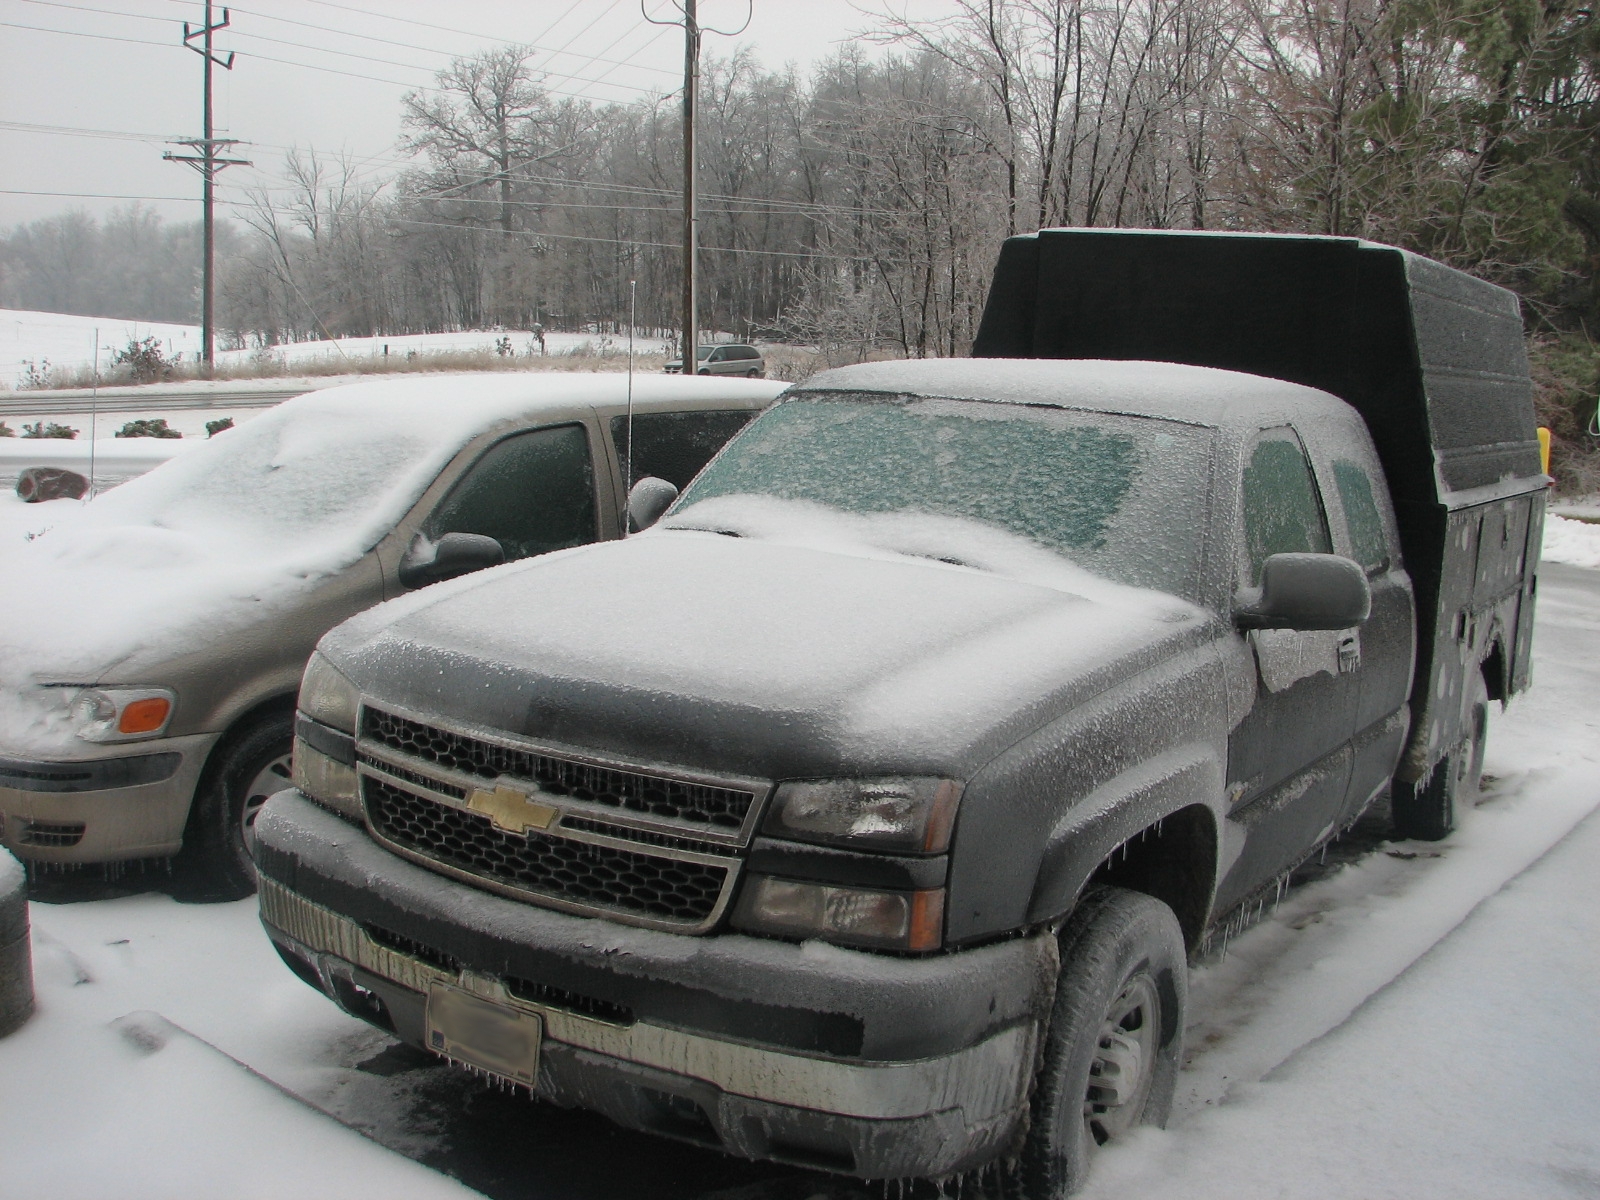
column 1186, row 780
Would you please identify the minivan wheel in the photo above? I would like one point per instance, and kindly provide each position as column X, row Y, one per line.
column 214, row 863
column 1429, row 811
column 1112, row 1052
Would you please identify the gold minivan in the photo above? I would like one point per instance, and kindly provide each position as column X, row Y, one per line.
column 152, row 641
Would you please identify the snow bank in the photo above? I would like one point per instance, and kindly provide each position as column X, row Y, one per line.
column 1568, row 541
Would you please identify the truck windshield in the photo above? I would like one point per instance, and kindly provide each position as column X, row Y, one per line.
column 1120, row 496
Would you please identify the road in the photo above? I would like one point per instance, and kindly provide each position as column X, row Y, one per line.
column 1354, row 928
column 76, row 402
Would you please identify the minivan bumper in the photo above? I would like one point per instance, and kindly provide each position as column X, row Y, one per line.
column 876, row 1066
column 101, row 810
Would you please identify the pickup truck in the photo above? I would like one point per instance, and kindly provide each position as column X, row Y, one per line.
column 864, row 812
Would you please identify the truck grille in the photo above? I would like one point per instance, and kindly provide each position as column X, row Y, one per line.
column 694, row 804
column 580, row 874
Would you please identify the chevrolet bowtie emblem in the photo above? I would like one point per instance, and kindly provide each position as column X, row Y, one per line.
column 512, row 810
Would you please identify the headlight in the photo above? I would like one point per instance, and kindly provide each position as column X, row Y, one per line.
column 847, row 915
column 122, row 714
column 327, row 696
column 911, row 816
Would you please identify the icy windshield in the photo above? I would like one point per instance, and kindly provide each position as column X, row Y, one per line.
column 291, row 480
column 1119, row 496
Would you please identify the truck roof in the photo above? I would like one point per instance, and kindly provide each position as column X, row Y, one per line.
column 1431, row 357
column 1204, row 396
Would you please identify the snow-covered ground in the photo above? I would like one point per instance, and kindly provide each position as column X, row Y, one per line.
column 1574, row 541
column 68, row 343
column 523, row 344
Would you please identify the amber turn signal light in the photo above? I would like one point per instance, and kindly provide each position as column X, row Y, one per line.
column 144, row 716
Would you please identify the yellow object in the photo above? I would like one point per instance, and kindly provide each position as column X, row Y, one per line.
column 1544, row 449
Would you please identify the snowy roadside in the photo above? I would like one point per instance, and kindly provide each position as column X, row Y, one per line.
column 1425, row 1022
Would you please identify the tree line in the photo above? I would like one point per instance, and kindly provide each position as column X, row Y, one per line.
column 860, row 205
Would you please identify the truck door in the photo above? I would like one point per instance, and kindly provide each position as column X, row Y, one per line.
column 1289, row 759
column 1384, row 647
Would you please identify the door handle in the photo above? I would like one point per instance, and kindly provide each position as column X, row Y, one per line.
column 1350, row 652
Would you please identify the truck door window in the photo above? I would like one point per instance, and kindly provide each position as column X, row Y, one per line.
column 1282, row 511
column 532, row 492
column 675, row 445
column 1367, row 539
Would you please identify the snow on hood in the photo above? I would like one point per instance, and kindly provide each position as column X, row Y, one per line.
column 808, row 648
column 243, row 525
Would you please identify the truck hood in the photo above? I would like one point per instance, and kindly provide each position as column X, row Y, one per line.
column 753, row 657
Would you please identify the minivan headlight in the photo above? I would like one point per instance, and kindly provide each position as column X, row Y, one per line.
column 327, row 696
column 122, row 714
column 900, row 814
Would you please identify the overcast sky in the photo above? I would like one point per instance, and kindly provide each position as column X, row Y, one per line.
column 315, row 73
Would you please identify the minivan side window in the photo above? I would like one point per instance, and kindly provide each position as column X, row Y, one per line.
column 532, row 492
column 675, row 445
column 1282, row 510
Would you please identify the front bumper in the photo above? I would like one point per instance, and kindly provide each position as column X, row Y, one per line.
column 99, row 810
column 877, row 1066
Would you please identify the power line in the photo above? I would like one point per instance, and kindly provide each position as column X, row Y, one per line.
column 74, row 131
column 288, row 62
column 574, row 237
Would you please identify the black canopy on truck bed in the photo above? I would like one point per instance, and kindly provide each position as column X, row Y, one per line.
column 1431, row 357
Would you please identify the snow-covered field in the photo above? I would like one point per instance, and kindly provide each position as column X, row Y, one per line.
column 69, row 342
column 523, row 344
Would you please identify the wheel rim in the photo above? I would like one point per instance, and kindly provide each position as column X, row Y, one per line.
column 1124, row 1061
column 272, row 778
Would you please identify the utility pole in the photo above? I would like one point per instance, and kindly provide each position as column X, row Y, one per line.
column 692, row 30
column 208, row 162
column 691, row 214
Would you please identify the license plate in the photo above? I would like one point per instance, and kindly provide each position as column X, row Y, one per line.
column 492, row 1037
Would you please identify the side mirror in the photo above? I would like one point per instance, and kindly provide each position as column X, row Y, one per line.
column 453, row 554
column 647, row 500
column 1305, row 591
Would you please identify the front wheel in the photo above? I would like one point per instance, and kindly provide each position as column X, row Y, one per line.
column 1112, row 1052
column 215, row 862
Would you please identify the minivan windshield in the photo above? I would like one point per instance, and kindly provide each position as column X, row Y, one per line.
column 1120, row 496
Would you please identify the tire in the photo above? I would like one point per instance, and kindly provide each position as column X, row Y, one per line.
column 703, row 371
column 1118, row 1015
column 1429, row 811
column 214, row 863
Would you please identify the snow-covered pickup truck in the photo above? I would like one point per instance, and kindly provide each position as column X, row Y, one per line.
column 863, row 811
column 152, row 641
